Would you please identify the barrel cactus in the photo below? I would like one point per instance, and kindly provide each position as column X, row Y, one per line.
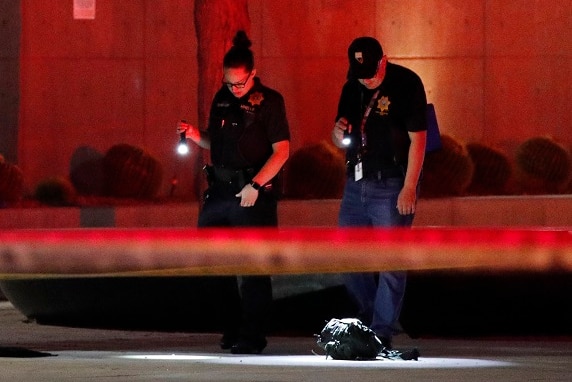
column 11, row 182
column 131, row 172
column 315, row 172
column 447, row 171
column 543, row 166
column 55, row 191
column 86, row 171
column 492, row 170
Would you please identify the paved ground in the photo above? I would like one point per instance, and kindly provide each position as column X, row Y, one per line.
column 72, row 354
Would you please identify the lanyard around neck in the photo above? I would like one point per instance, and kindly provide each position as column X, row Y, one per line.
column 364, row 119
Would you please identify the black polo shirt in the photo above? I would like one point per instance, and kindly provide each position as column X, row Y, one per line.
column 242, row 130
column 400, row 108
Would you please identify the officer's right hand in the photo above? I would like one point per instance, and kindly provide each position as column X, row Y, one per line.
column 190, row 131
column 340, row 127
column 182, row 127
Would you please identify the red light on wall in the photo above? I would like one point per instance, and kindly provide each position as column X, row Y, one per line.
column 84, row 9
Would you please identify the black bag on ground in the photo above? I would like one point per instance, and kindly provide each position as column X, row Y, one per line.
column 349, row 339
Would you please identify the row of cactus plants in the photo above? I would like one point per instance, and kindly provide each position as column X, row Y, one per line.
column 540, row 166
column 128, row 172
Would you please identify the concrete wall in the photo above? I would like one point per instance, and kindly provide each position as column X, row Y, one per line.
column 10, row 25
column 125, row 77
column 501, row 211
column 497, row 71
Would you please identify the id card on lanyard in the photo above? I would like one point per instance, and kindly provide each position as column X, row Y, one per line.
column 358, row 169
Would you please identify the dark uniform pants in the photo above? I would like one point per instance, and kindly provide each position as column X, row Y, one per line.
column 244, row 309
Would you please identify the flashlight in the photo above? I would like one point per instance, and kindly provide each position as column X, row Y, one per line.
column 183, row 147
column 346, row 140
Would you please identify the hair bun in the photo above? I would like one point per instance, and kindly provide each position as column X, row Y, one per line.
column 241, row 40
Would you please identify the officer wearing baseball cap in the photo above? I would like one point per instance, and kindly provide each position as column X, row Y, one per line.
column 364, row 55
column 381, row 123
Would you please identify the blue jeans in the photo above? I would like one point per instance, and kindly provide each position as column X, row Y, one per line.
column 379, row 296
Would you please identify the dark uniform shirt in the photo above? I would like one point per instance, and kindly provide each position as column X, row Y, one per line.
column 242, row 130
column 400, row 108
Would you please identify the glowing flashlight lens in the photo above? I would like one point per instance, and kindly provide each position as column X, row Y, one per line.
column 183, row 149
column 346, row 141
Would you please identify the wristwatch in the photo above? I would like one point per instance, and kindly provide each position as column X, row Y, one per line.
column 255, row 185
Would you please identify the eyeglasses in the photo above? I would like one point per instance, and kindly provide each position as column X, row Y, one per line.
column 238, row 85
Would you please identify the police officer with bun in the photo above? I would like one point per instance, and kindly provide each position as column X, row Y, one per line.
column 248, row 137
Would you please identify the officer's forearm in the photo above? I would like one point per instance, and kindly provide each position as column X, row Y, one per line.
column 415, row 158
column 281, row 152
column 204, row 140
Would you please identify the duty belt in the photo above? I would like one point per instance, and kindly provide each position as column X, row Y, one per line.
column 236, row 177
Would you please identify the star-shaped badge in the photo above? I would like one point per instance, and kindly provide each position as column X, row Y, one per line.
column 383, row 105
column 256, row 98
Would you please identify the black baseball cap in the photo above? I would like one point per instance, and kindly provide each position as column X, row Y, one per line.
column 364, row 55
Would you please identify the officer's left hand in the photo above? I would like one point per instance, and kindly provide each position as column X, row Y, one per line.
column 248, row 196
column 406, row 201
